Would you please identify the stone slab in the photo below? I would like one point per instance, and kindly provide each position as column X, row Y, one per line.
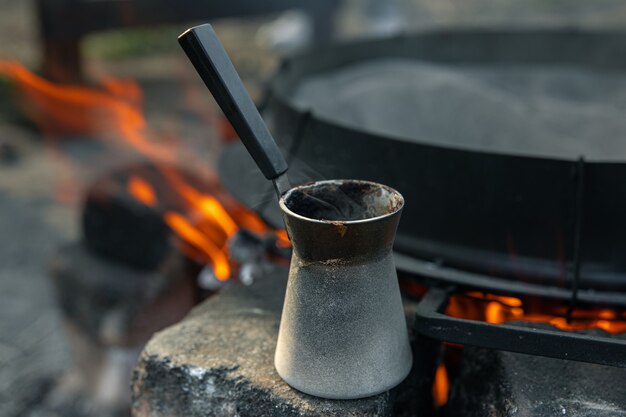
column 219, row 361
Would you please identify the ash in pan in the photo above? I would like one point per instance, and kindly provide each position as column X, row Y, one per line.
column 343, row 200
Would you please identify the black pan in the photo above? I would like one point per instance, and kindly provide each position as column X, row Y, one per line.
column 544, row 218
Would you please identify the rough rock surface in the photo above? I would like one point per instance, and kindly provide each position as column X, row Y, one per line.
column 219, row 362
column 496, row 383
column 115, row 304
column 110, row 310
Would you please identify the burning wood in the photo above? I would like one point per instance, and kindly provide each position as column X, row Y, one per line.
column 202, row 221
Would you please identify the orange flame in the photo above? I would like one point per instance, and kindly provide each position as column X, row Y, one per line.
column 115, row 111
column 283, row 238
column 441, row 386
column 195, row 237
column 497, row 309
column 142, row 191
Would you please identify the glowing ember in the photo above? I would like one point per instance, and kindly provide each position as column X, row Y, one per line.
column 498, row 309
column 441, row 386
column 283, row 239
column 114, row 112
column 199, row 240
column 142, row 191
column 203, row 205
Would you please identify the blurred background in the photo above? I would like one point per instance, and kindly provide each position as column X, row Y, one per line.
column 90, row 87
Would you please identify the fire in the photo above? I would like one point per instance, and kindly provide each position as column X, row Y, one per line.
column 142, row 191
column 441, row 386
column 283, row 238
column 66, row 109
column 497, row 309
column 114, row 112
column 199, row 240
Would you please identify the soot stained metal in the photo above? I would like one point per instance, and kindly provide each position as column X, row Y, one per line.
column 343, row 333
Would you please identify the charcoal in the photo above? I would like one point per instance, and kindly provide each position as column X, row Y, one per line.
column 119, row 227
column 497, row 383
column 245, row 246
column 219, row 361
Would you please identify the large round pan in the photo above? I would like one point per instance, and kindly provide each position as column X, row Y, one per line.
column 518, row 215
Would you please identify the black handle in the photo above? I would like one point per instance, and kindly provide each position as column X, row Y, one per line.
column 211, row 61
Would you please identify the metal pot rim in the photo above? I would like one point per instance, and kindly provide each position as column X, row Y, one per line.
column 396, row 209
